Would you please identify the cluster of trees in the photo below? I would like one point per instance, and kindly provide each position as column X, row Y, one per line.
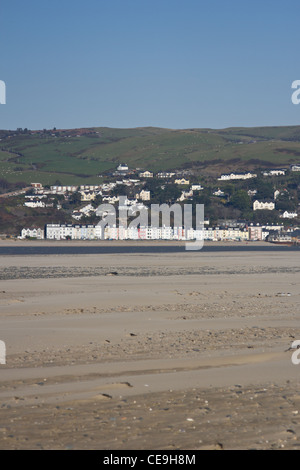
column 237, row 202
column 6, row 186
column 160, row 192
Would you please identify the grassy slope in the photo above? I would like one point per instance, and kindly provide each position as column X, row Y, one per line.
column 72, row 159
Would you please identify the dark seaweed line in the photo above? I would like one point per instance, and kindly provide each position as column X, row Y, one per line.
column 44, row 273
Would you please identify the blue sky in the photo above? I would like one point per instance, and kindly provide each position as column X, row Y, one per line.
column 165, row 63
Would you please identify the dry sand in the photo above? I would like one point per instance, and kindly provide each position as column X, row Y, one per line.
column 178, row 351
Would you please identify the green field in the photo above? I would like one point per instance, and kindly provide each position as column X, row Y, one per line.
column 80, row 156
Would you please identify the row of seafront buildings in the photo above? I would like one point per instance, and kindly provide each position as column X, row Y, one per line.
column 96, row 232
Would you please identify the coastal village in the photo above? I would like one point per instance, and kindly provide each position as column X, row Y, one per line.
column 272, row 209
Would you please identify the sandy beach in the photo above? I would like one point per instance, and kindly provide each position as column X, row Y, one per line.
column 147, row 351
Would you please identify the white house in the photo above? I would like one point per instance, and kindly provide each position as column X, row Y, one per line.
column 273, row 227
column 274, row 173
column 233, row 176
column 276, row 194
column 257, row 205
column 87, row 209
column 122, row 167
column 87, row 196
column 165, row 175
column 185, row 195
column 90, row 187
column 32, row 233
column 219, row 193
column 144, row 195
column 146, row 174
column 53, row 231
column 289, row 215
column 34, row 204
column 63, row 189
column 77, row 215
column 182, row 181
column 110, row 199
column 196, row 187
column 295, row 168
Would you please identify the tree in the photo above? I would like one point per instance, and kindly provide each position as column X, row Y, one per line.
column 75, row 198
column 97, row 201
column 202, row 198
column 266, row 217
column 284, row 203
column 240, row 200
column 121, row 190
column 229, row 189
column 265, row 189
column 30, row 192
column 171, row 193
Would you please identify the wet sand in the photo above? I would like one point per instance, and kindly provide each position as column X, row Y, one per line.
column 175, row 351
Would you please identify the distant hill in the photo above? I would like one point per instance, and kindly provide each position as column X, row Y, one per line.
column 80, row 155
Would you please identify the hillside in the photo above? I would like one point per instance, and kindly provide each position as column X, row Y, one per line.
column 80, row 155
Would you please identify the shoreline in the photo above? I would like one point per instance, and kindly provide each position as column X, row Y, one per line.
column 124, row 243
